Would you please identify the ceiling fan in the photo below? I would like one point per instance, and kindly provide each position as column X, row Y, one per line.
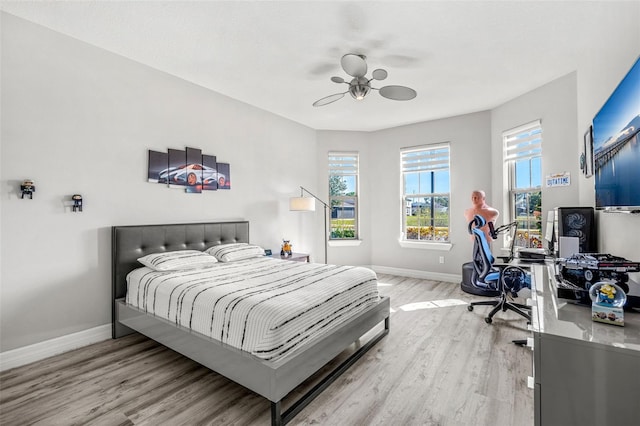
column 356, row 66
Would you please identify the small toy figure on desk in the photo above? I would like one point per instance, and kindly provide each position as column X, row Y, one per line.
column 607, row 301
column 286, row 248
column 27, row 188
column 77, row 202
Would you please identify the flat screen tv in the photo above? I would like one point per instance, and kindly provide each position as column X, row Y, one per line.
column 616, row 146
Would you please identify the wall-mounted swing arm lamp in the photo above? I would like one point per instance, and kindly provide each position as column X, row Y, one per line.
column 308, row 204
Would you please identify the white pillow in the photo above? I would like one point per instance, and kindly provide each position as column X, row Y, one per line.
column 177, row 260
column 235, row 251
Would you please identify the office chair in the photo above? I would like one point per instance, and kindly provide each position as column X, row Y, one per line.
column 507, row 280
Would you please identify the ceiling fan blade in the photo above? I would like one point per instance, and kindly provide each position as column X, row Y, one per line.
column 398, row 93
column 379, row 74
column 337, row 79
column 354, row 65
column 328, row 99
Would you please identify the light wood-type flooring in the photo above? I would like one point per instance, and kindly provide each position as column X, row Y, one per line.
column 439, row 365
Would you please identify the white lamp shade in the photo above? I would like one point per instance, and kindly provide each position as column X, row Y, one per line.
column 303, row 204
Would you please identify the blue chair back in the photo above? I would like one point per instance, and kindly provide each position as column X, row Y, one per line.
column 484, row 274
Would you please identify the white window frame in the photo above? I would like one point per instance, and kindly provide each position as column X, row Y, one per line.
column 344, row 163
column 430, row 159
column 522, row 143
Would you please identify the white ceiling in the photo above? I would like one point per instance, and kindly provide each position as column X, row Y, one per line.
column 460, row 57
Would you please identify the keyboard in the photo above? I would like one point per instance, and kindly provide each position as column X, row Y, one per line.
column 533, row 255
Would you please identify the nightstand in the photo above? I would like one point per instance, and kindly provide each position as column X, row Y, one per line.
column 296, row 257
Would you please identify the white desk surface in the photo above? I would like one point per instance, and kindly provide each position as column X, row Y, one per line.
column 554, row 316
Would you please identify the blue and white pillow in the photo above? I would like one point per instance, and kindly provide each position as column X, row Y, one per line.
column 177, row 260
column 235, row 251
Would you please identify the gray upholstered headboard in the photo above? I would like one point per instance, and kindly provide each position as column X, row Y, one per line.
column 128, row 243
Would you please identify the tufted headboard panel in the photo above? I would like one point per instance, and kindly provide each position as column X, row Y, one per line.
column 128, row 243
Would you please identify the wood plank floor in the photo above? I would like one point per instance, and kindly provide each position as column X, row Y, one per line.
column 438, row 366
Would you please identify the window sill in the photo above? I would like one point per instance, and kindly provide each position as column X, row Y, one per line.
column 425, row 245
column 344, row 243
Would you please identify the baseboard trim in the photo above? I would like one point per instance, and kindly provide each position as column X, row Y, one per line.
column 38, row 351
column 414, row 273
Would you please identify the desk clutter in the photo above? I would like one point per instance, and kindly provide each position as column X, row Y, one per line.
column 582, row 276
column 607, row 300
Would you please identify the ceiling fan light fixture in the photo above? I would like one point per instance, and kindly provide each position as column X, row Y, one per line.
column 359, row 88
column 359, row 91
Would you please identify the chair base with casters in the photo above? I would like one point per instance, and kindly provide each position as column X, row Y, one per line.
column 511, row 280
column 502, row 304
column 468, row 284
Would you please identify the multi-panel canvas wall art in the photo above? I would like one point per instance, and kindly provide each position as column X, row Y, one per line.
column 188, row 169
column 209, row 163
column 174, row 173
column 193, row 170
column 157, row 164
column 224, row 176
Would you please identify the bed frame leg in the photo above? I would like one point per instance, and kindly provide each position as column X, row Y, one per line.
column 276, row 414
column 279, row 419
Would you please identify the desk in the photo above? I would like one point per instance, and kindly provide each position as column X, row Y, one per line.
column 585, row 373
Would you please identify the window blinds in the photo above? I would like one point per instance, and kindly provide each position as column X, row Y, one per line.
column 343, row 163
column 523, row 142
column 425, row 159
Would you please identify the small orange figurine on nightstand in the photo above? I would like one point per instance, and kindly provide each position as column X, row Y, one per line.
column 286, row 248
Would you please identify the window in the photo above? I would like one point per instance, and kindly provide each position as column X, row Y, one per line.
column 343, row 195
column 425, row 183
column 523, row 158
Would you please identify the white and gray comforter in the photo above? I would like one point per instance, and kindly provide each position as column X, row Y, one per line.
column 268, row 307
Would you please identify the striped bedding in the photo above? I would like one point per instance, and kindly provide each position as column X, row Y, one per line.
column 265, row 306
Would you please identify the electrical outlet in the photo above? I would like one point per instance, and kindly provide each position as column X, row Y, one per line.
column 441, row 259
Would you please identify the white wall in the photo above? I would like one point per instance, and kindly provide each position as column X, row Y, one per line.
column 470, row 155
column 555, row 105
column 78, row 119
column 380, row 197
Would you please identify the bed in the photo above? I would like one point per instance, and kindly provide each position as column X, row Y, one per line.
column 270, row 376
